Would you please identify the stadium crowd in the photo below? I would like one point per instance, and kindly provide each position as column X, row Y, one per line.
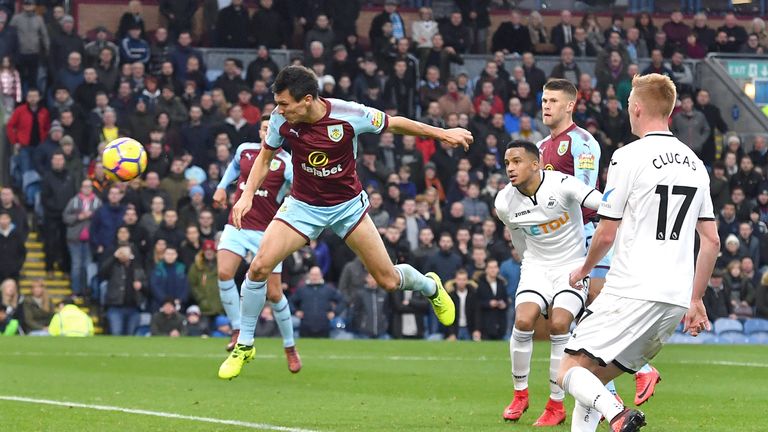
column 147, row 247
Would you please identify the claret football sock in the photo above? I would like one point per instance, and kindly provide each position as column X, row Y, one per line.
column 230, row 299
column 412, row 279
column 283, row 318
column 254, row 297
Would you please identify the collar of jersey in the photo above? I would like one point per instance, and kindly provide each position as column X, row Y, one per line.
column 533, row 197
column 659, row 133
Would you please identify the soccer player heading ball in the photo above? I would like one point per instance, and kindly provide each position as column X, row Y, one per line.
column 323, row 135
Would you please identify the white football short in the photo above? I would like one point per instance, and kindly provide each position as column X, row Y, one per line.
column 548, row 286
column 625, row 331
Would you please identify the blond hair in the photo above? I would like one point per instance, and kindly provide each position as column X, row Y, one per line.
column 656, row 92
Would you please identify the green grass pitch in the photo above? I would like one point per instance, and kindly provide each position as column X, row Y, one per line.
column 345, row 386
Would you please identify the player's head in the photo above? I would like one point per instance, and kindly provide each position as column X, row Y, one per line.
column 521, row 161
column 263, row 127
column 651, row 100
column 557, row 102
column 295, row 90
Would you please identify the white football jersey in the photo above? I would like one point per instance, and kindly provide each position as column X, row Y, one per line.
column 550, row 220
column 659, row 190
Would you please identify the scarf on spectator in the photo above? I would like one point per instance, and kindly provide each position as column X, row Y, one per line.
column 87, row 200
column 398, row 28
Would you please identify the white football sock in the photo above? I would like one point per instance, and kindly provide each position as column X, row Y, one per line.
column 520, row 350
column 556, row 354
column 588, row 390
column 585, row 418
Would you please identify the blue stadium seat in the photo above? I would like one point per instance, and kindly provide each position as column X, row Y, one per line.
column 755, row 325
column 727, row 325
column 682, row 338
column 679, row 328
column 760, row 338
column 731, row 337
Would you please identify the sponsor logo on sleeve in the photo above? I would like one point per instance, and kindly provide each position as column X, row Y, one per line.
column 586, row 161
column 336, row 132
column 378, row 119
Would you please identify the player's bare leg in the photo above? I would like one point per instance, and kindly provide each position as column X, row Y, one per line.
column 585, row 379
column 227, row 263
column 520, row 351
column 279, row 241
column 366, row 242
column 647, row 377
column 282, row 315
column 559, row 333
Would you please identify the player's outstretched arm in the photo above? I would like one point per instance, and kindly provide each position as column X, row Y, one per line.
column 602, row 241
column 456, row 137
column 696, row 319
column 230, row 174
column 256, row 177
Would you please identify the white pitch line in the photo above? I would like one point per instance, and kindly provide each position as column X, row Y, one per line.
column 347, row 357
column 260, row 426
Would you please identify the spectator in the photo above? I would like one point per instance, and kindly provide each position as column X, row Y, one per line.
column 704, row 35
column 759, row 153
column 181, row 54
column 683, row 77
column 694, row 49
column 232, row 26
column 179, row 14
column 511, row 36
column 534, row 76
column 719, row 188
column 456, row 33
column 33, row 41
column 661, row 43
column 409, row 309
column 581, row 45
column 194, row 325
column 492, row 299
column 77, row 216
column 85, row 93
column 130, row 18
column 169, row 230
column 106, row 219
column 167, row 321
column 12, row 248
column 487, row 95
column 57, row 188
column 9, row 42
column 93, row 50
column 268, row 27
column 567, row 68
column 759, row 29
column 736, row 34
column 8, row 325
column 752, row 45
column 475, row 210
column 636, row 46
column 389, row 14
column 740, row 290
column 747, row 179
column 526, row 132
column 66, row 42
column 593, row 29
column 126, row 290
column 721, row 44
column 423, row 29
column 323, row 33
column 715, row 120
column 761, row 298
column 749, row 245
column 175, row 184
column 169, row 280
column 171, row 104
column 316, row 304
column 69, row 320
column 439, row 56
column 615, row 124
column 37, row 310
column 691, row 126
column 676, row 30
column 27, row 128
column 445, row 262
column 203, row 281
column 539, row 34
column 10, row 205
column 369, row 311
column 237, row 128
column 463, row 292
column 133, row 48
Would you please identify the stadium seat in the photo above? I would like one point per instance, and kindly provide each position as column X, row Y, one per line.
column 760, row 338
column 679, row 328
column 731, row 337
column 756, row 325
column 727, row 325
column 682, row 338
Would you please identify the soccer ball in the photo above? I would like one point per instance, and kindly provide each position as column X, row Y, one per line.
column 124, row 159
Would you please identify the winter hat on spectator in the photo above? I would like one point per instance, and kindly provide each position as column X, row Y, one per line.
column 209, row 245
column 327, row 79
column 195, row 174
column 763, row 192
column 732, row 239
column 67, row 18
column 592, row 122
column 66, row 140
column 194, row 309
column 430, row 165
column 339, row 47
column 196, row 189
column 56, row 126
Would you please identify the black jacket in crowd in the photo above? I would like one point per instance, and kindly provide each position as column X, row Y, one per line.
column 12, row 254
column 56, row 189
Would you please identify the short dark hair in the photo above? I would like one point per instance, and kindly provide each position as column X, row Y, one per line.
column 298, row 80
column 528, row 146
column 461, row 271
column 563, row 85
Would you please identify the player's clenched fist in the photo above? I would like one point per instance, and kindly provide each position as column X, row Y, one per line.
column 242, row 206
column 458, row 137
column 220, row 198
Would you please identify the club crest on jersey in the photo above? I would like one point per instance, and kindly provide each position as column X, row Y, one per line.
column 274, row 165
column 562, row 148
column 551, row 203
column 336, row 132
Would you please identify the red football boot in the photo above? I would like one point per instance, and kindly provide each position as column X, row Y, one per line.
column 517, row 407
column 233, row 340
column 628, row 420
column 618, row 398
column 294, row 361
column 645, row 384
column 553, row 415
